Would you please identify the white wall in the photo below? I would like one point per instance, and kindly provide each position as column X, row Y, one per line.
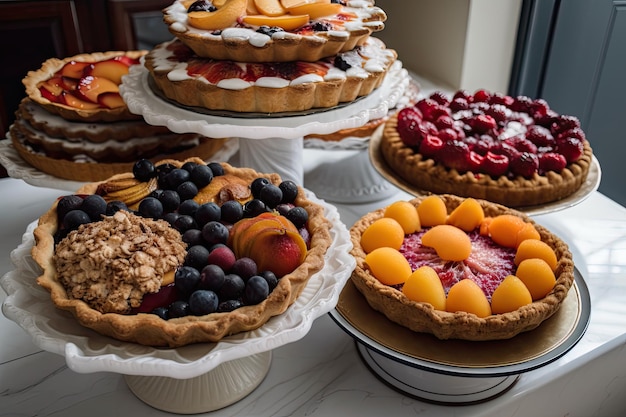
column 458, row 43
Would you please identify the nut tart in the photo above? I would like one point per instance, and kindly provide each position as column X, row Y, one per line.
column 150, row 261
column 83, row 87
column 268, row 87
column 487, row 266
column 272, row 31
column 510, row 150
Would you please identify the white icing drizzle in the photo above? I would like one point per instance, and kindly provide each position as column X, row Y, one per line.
column 362, row 9
column 372, row 57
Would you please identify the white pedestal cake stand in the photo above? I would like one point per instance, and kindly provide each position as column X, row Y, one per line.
column 192, row 379
column 267, row 143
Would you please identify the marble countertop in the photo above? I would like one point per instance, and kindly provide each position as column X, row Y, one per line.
column 322, row 373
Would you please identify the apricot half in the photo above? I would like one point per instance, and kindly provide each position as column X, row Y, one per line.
column 467, row 216
column 467, row 296
column 424, row 285
column 388, row 266
column 534, row 248
column 537, row 275
column 432, row 211
column 383, row 232
column 222, row 18
column 404, row 213
column 510, row 295
column 450, row 242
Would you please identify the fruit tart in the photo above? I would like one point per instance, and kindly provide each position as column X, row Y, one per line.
column 180, row 252
column 460, row 268
column 83, row 87
column 510, row 150
column 274, row 87
column 272, row 30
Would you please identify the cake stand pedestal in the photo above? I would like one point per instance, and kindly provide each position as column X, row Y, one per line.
column 196, row 378
column 268, row 142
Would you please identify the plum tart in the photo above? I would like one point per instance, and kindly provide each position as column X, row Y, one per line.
column 460, row 268
column 268, row 87
column 180, row 252
column 272, row 30
column 510, row 150
column 83, row 87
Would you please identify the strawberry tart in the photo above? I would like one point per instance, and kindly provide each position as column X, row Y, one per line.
column 74, row 124
column 272, row 30
column 460, row 268
column 268, row 87
column 510, row 150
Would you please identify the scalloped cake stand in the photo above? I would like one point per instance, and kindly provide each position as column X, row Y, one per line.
column 191, row 379
column 266, row 143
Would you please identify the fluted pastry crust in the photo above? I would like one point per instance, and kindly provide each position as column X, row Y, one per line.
column 422, row 317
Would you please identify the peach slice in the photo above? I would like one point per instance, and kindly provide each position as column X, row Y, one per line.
column 111, row 69
column 534, row 248
column 315, row 11
column 388, row 266
column 74, row 69
column 383, row 232
column 111, row 100
column 53, row 86
column 288, row 4
column 450, row 242
column 75, row 102
column 510, row 295
column 404, row 213
column 251, row 8
column 287, row 22
column 467, row 296
column 537, row 275
column 467, row 216
column 432, row 211
column 91, row 87
column 424, row 285
column 270, row 7
column 222, row 18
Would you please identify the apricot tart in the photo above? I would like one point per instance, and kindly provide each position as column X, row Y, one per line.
column 272, row 30
column 460, row 268
column 84, row 87
column 513, row 151
column 267, row 87
column 180, row 252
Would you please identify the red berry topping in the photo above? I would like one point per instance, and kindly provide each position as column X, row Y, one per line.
column 495, row 164
column 430, row 146
column 447, row 135
column 522, row 104
column 551, row 161
column 525, row 164
column 440, row 98
column 425, row 106
column 475, row 161
column 499, row 98
column 574, row 133
column 540, row 136
column 444, row 122
column 571, row 148
column 455, row 155
column 539, row 108
column 409, row 120
column 503, row 148
column 483, row 123
column 521, row 144
column 482, row 96
column 459, row 104
column 497, row 111
column 563, row 123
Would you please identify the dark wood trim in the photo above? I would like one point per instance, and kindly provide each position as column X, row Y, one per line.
column 121, row 19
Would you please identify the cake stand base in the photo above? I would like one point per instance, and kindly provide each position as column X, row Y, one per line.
column 282, row 156
column 224, row 385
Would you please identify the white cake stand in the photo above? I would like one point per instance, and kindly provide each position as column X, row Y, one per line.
column 192, row 379
column 267, row 143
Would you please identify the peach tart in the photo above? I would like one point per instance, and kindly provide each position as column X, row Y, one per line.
column 514, row 151
column 272, row 30
column 460, row 268
column 268, row 87
column 180, row 252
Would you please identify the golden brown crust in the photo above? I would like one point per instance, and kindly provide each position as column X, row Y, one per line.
column 427, row 175
column 422, row 317
column 291, row 47
column 52, row 65
column 148, row 329
column 196, row 92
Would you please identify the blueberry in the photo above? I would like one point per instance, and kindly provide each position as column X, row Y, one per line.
column 171, row 217
column 254, row 207
column 203, row 302
column 216, row 168
column 176, row 177
column 189, row 166
column 214, row 232
column 178, row 308
column 67, row 204
column 75, row 218
column 211, row 278
column 271, row 195
column 232, row 288
column 298, row 216
column 256, row 186
column 151, row 207
column 202, row 6
column 144, row 170
column 115, row 206
column 170, row 200
column 188, row 207
column 207, row 212
column 196, row 258
column 229, row 305
column 244, row 267
column 231, row 211
column 161, row 312
column 95, row 206
column 192, row 237
column 290, row 191
column 256, row 290
column 187, row 190
column 270, row 277
column 202, row 175
column 184, row 222
column 186, row 279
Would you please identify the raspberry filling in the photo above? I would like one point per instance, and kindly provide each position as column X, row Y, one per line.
column 487, row 265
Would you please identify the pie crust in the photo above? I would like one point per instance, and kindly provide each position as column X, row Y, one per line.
column 245, row 44
column 49, row 69
column 169, row 65
column 422, row 317
column 148, row 329
column 430, row 176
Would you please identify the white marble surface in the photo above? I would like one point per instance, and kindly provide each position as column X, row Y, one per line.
column 322, row 374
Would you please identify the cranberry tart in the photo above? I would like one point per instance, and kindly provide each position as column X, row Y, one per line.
column 272, row 30
column 466, row 302
column 141, row 260
column 513, row 151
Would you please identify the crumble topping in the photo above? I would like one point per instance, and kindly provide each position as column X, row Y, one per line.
column 112, row 263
